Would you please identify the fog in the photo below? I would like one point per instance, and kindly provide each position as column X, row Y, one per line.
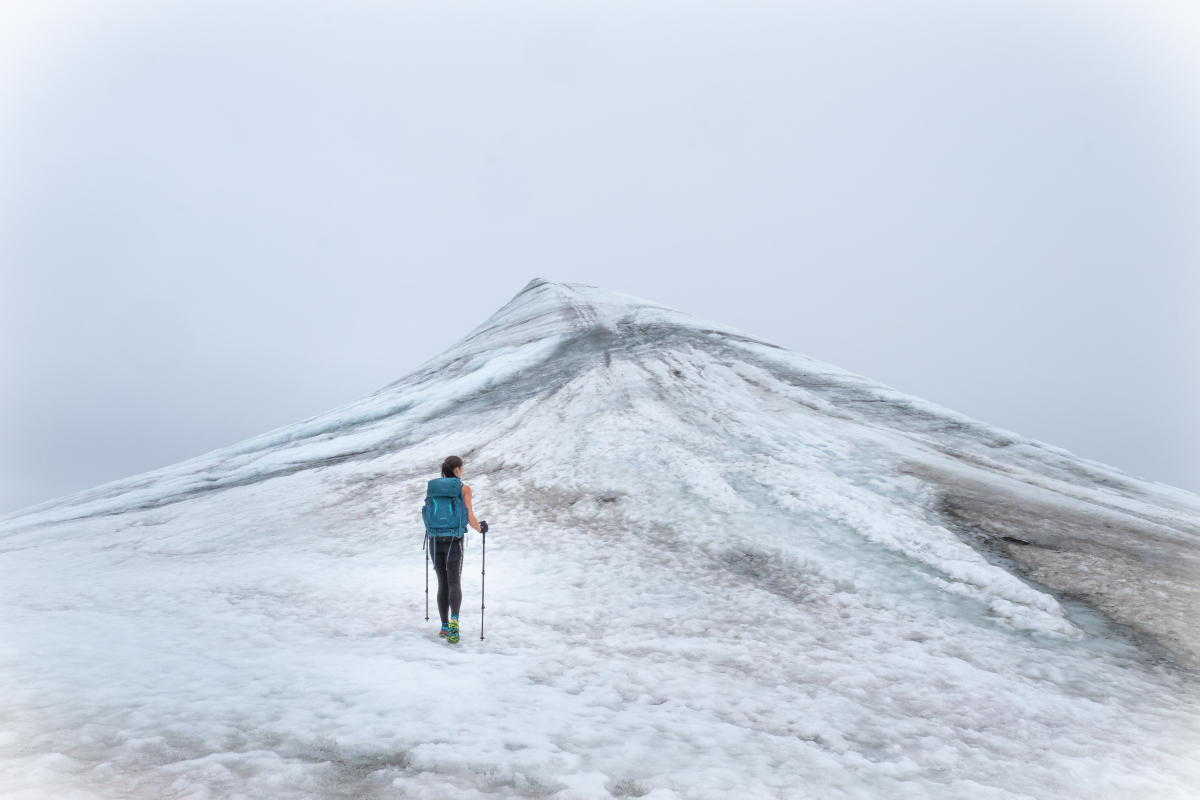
column 219, row 218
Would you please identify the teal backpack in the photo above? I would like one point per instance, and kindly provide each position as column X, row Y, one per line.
column 445, row 512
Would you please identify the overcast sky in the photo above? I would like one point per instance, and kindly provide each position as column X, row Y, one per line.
column 217, row 218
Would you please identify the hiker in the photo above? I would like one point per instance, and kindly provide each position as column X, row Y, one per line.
column 447, row 514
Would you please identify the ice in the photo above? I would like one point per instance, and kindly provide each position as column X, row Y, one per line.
column 716, row 569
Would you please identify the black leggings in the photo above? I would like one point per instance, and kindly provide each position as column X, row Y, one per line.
column 447, row 563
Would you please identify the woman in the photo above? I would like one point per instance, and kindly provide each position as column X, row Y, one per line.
column 444, row 536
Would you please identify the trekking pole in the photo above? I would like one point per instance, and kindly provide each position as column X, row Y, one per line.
column 482, row 584
column 426, row 549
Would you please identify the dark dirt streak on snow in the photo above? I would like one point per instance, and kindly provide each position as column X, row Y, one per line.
column 1088, row 552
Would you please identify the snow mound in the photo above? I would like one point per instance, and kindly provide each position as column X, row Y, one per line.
column 717, row 569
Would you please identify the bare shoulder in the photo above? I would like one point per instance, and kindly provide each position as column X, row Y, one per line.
column 466, row 492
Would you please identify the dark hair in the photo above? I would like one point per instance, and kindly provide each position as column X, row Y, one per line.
column 449, row 465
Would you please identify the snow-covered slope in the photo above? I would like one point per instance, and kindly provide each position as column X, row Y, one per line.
column 717, row 569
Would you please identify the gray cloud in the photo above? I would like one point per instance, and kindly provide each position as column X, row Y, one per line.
column 229, row 217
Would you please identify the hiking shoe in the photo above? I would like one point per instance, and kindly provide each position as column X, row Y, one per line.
column 452, row 635
column 445, row 631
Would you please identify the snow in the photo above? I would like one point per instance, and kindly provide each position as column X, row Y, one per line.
column 716, row 569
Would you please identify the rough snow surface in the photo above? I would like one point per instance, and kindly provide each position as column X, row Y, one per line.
column 717, row 569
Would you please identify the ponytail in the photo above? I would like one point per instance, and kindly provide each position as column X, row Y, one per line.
column 449, row 465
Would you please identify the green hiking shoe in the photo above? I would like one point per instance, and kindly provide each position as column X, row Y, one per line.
column 445, row 631
column 452, row 635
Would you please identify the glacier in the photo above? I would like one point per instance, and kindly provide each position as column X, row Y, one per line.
column 716, row 569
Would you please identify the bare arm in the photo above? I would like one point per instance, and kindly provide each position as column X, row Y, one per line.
column 474, row 523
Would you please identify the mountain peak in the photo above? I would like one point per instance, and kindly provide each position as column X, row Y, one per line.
column 547, row 308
